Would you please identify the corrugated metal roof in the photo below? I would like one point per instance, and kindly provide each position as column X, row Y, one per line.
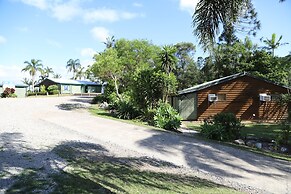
column 13, row 84
column 74, row 82
column 222, row 80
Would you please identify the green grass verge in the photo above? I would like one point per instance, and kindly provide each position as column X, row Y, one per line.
column 92, row 170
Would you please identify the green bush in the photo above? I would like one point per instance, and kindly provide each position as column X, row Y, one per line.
column 223, row 127
column 284, row 136
column 167, row 117
column 53, row 89
column 99, row 99
column 148, row 116
column 43, row 89
column 124, row 109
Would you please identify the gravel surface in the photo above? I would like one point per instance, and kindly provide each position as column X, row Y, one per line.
column 30, row 128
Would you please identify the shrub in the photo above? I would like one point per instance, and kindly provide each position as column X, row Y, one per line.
column 42, row 89
column 8, row 93
column 126, row 110
column 223, row 127
column 99, row 99
column 53, row 89
column 167, row 117
column 148, row 116
column 284, row 136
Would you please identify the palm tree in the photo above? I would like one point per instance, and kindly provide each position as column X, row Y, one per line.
column 211, row 15
column 80, row 73
column 57, row 75
column 45, row 73
column 110, row 42
column 168, row 59
column 33, row 67
column 72, row 66
column 273, row 44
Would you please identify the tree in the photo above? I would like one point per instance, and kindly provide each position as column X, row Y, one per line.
column 80, row 73
column 110, row 42
column 72, row 66
column 273, row 44
column 57, row 75
column 186, row 70
column 168, row 59
column 33, row 67
column 45, row 73
column 107, row 66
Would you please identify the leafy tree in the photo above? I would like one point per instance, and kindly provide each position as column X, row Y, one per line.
column 107, row 66
column 33, row 67
column 186, row 70
column 72, row 66
column 273, row 44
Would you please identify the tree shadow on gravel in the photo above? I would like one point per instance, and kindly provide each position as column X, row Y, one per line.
column 71, row 106
column 215, row 158
column 79, row 167
column 82, row 99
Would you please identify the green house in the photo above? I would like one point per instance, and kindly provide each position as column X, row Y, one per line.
column 20, row 89
column 67, row 86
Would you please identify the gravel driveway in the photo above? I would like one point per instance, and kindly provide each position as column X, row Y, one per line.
column 31, row 127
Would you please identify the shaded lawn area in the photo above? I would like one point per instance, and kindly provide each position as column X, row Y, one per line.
column 268, row 131
column 91, row 169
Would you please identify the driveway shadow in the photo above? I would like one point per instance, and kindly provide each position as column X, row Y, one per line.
column 215, row 158
column 71, row 106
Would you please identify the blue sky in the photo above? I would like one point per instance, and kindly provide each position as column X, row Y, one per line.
column 55, row 31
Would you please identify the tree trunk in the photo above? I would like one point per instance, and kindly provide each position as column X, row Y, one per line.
column 116, row 87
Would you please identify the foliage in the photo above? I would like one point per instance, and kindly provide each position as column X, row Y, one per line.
column 99, row 99
column 8, row 93
column 33, row 67
column 43, row 89
column 168, row 59
column 125, row 109
column 210, row 16
column 223, row 127
column 108, row 68
column 167, row 117
column 284, row 137
column 73, row 66
column 53, row 89
column 272, row 44
column 150, row 86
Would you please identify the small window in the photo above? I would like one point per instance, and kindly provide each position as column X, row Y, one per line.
column 66, row 88
column 221, row 97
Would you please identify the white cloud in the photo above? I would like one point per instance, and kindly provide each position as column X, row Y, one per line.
column 71, row 9
column 88, row 52
column 66, row 11
column 137, row 4
column 188, row 5
column 101, row 15
column 100, row 33
column 41, row 4
column 2, row 39
column 6, row 72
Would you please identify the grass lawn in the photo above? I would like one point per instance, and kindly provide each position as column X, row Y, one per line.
column 268, row 131
column 93, row 171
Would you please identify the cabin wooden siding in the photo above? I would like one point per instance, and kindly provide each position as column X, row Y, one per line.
column 242, row 99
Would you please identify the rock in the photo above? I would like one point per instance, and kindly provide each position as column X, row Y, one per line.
column 104, row 105
column 251, row 143
column 259, row 145
column 239, row 142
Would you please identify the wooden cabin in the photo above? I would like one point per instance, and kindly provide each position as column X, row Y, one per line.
column 248, row 97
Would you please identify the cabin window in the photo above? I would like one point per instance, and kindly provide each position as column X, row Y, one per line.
column 221, row 97
column 66, row 88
